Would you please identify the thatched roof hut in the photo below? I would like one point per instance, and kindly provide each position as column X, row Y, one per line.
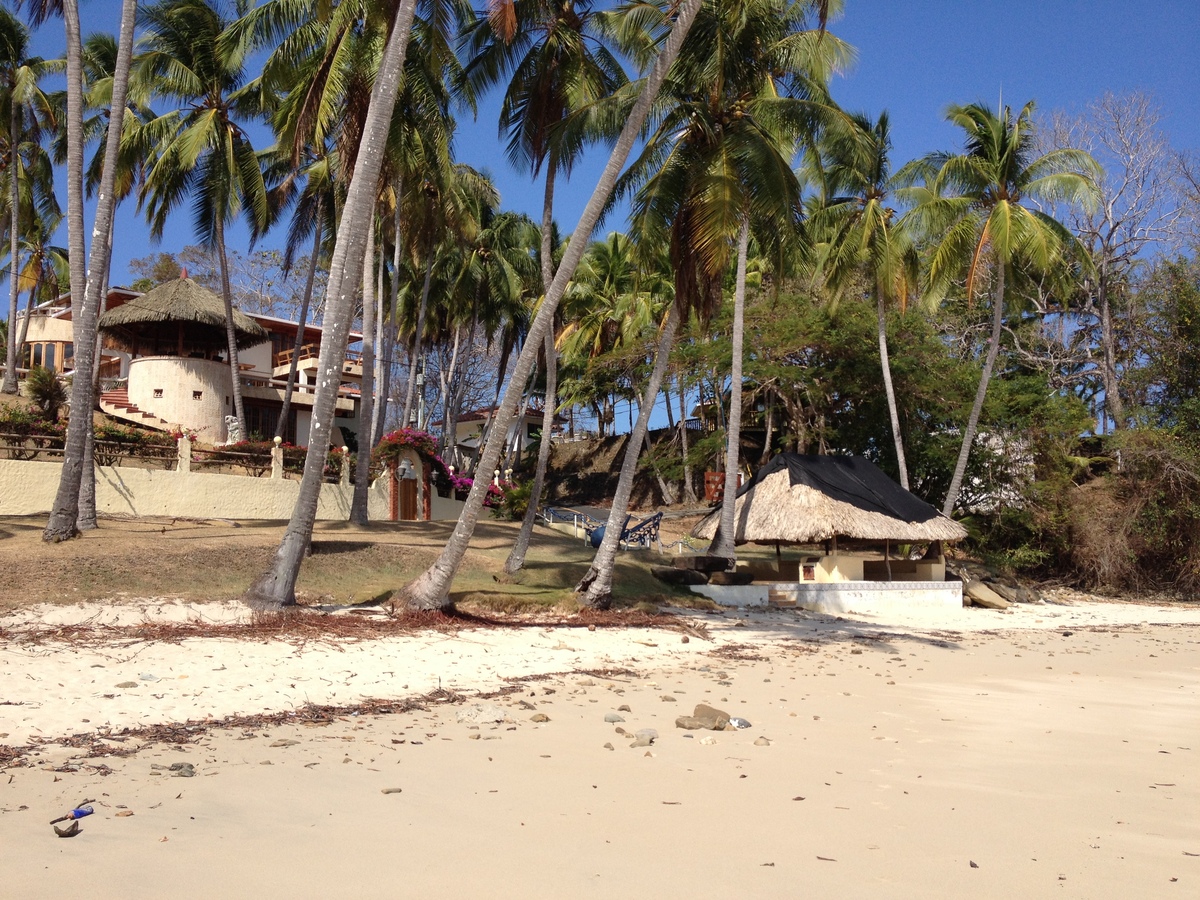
column 798, row 499
column 177, row 317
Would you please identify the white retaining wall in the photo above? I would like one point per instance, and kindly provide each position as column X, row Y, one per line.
column 867, row 597
column 28, row 488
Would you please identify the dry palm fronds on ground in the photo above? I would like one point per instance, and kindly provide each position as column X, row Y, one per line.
column 308, row 624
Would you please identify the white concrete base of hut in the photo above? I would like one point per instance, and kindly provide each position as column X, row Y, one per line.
column 866, row 597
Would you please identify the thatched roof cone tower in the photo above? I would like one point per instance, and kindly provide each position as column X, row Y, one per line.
column 178, row 317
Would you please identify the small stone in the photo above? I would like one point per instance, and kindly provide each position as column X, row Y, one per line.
column 708, row 741
column 620, row 730
column 667, row 698
column 539, row 717
column 392, row 791
column 686, row 639
column 649, row 754
column 647, row 732
column 624, row 707
column 480, row 713
column 591, row 628
column 124, row 813
column 690, row 723
column 612, row 718
column 474, row 736
column 739, row 624
column 608, row 746
column 762, row 742
column 284, row 742
column 266, row 762
column 128, row 684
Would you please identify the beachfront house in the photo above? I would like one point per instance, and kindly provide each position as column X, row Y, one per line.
column 163, row 363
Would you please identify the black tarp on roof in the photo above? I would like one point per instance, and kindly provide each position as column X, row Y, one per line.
column 849, row 479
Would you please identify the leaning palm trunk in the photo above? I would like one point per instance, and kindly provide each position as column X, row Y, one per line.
column 431, row 590
column 664, row 487
column 723, row 546
column 596, row 585
column 516, row 557
column 960, row 467
column 34, row 292
column 366, row 408
column 277, row 587
column 65, row 512
column 309, row 280
column 888, row 389
column 14, row 232
column 235, row 370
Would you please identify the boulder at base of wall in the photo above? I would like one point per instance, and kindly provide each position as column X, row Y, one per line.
column 671, row 575
column 982, row 595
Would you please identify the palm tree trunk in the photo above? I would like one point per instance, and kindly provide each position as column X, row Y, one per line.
column 383, row 345
column 885, row 364
column 723, row 545
column 309, row 280
column 596, row 585
column 87, row 520
column 770, row 432
column 415, row 344
column 235, row 371
column 62, row 524
column 366, row 402
column 14, row 208
column 431, row 589
column 516, row 556
column 29, row 306
column 689, row 490
column 664, row 488
column 960, row 467
column 277, row 587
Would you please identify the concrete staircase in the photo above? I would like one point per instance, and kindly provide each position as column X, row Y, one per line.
column 117, row 405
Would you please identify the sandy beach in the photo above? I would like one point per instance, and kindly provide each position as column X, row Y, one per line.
column 1050, row 750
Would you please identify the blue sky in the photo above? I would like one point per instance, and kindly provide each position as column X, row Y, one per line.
column 914, row 58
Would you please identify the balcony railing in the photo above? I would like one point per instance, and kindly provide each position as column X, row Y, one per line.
column 311, row 351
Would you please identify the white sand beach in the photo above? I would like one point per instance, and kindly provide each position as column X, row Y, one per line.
column 1050, row 750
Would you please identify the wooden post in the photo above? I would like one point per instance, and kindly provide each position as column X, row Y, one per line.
column 427, row 500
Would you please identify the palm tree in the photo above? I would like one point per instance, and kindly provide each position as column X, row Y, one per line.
column 29, row 113
column 857, row 235
column 87, row 276
column 277, row 587
column 46, row 270
column 974, row 208
column 749, row 83
column 431, row 589
column 559, row 65
column 199, row 151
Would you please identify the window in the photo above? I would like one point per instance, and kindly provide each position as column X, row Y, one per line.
column 158, row 393
column 197, row 395
column 49, row 356
column 37, row 354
